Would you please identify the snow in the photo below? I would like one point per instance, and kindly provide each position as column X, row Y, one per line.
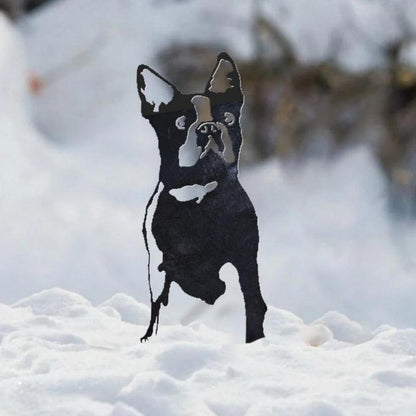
column 78, row 360
column 127, row 309
column 73, row 265
column 343, row 328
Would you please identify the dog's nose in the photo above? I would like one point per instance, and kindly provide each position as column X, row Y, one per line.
column 207, row 128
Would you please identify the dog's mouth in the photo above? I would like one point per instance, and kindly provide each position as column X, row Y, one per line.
column 213, row 143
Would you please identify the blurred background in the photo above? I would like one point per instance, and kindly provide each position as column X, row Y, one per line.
column 329, row 155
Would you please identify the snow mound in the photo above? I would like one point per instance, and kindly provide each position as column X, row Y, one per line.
column 128, row 309
column 55, row 361
column 343, row 328
column 55, row 301
column 184, row 359
column 395, row 341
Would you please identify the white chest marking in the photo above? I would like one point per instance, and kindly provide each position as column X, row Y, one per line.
column 191, row 192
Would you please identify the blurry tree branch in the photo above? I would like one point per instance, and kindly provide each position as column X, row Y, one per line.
column 262, row 25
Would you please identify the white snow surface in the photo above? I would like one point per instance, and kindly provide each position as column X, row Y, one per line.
column 72, row 200
column 60, row 355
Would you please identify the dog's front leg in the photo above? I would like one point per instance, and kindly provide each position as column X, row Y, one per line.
column 246, row 265
column 154, row 315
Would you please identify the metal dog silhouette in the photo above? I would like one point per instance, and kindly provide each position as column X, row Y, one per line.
column 203, row 218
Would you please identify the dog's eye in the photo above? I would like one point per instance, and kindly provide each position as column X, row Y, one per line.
column 180, row 123
column 229, row 118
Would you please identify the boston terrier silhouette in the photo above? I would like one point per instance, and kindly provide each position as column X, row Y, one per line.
column 203, row 217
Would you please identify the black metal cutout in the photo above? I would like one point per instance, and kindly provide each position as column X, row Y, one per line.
column 203, row 218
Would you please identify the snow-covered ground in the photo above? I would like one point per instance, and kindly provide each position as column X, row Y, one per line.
column 62, row 356
column 72, row 200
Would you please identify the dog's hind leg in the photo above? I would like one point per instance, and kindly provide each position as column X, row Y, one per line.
column 163, row 298
column 246, row 265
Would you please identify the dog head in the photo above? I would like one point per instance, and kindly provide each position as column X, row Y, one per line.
column 195, row 129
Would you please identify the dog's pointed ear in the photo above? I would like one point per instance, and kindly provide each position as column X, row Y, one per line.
column 155, row 92
column 225, row 77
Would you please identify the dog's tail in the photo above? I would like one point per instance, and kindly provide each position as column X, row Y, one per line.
column 146, row 242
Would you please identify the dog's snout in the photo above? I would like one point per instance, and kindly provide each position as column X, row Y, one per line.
column 207, row 128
